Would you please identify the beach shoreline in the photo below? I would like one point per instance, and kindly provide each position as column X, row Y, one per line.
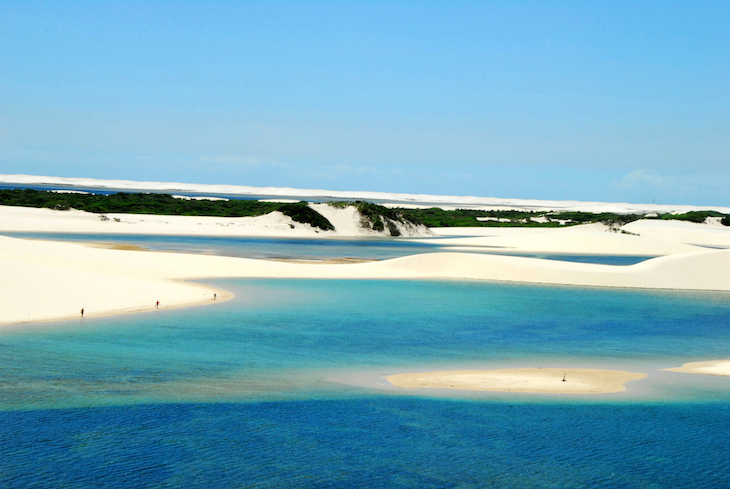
column 52, row 280
column 521, row 380
column 221, row 295
column 711, row 367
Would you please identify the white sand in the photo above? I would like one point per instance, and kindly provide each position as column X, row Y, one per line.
column 709, row 235
column 346, row 222
column 27, row 219
column 714, row 367
column 533, row 380
column 666, row 237
column 44, row 280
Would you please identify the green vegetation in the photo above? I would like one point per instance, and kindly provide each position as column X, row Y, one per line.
column 694, row 216
column 301, row 212
column 374, row 216
column 377, row 217
column 160, row 204
column 435, row 217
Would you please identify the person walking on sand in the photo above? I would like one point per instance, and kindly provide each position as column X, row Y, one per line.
column 82, row 312
column 214, row 296
column 157, row 306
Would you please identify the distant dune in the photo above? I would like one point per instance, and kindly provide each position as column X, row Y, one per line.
column 47, row 280
column 444, row 201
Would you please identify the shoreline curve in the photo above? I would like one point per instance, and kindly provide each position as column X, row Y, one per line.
column 712, row 367
column 521, row 380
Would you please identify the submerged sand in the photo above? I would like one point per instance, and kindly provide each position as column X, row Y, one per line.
column 528, row 380
column 713, row 367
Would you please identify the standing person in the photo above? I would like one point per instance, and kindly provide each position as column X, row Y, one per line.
column 157, row 306
column 214, row 296
column 82, row 312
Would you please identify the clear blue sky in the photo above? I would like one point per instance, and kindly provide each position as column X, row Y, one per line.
column 611, row 101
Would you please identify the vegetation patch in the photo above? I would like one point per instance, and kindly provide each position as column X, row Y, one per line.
column 160, row 204
column 694, row 216
column 436, row 217
column 375, row 217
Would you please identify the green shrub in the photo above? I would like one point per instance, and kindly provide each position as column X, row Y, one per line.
column 301, row 212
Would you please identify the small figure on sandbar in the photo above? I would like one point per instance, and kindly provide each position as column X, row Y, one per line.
column 566, row 373
column 82, row 312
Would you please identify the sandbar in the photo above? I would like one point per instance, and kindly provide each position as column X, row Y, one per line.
column 527, row 380
column 713, row 367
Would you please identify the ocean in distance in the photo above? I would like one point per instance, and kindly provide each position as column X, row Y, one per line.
column 283, row 387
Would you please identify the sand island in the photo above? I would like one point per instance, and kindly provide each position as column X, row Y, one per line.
column 529, row 380
column 713, row 367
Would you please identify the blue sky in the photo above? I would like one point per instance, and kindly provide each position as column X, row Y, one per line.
column 609, row 101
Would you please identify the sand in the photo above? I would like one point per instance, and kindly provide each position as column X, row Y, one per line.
column 47, row 280
column 529, row 380
column 275, row 224
column 28, row 219
column 665, row 238
column 714, row 367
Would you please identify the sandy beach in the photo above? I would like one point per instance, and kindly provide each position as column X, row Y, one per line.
column 713, row 367
column 47, row 280
column 529, row 380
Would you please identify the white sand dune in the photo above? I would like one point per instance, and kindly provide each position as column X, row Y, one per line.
column 27, row 219
column 684, row 232
column 707, row 270
column 584, row 239
column 346, row 221
column 45, row 280
column 532, row 380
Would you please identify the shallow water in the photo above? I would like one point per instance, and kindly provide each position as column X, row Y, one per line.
column 283, row 387
column 305, row 248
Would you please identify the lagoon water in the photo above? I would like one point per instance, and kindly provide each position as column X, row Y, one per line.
column 283, row 387
column 303, row 248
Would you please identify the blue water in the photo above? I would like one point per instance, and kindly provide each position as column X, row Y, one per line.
column 283, row 387
column 304, row 248
column 255, row 247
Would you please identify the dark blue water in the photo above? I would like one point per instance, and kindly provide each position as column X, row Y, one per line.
column 369, row 442
column 283, row 387
column 303, row 248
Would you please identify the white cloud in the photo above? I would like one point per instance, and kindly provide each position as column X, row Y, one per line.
column 639, row 179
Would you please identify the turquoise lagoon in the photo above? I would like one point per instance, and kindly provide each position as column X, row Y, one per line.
column 283, row 387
